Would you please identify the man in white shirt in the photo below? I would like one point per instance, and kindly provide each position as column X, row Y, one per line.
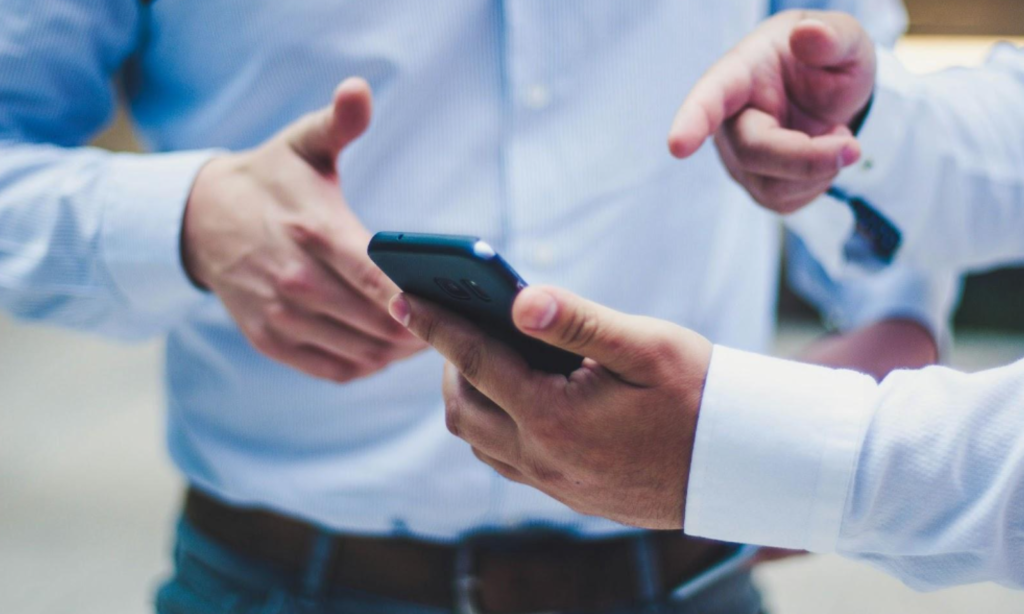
column 921, row 474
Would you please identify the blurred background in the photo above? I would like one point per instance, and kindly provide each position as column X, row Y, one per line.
column 88, row 497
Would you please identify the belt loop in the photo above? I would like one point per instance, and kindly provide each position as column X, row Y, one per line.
column 648, row 568
column 466, row 582
column 314, row 578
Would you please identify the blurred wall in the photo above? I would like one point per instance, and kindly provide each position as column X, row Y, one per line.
column 978, row 17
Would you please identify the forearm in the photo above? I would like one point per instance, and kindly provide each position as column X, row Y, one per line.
column 876, row 349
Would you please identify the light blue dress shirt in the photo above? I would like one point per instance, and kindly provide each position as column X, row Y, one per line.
column 537, row 125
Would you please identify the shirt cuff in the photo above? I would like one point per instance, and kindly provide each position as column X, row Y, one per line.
column 775, row 452
column 141, row 234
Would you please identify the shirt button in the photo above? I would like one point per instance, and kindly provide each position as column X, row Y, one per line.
column 537, row 97
column 544, row 256
column 868, row 164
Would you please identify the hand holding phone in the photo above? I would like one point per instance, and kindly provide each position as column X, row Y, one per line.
column 465, row 274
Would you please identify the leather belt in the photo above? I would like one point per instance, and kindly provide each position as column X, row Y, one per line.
column 502, row 573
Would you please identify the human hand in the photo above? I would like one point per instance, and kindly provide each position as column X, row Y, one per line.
column 780, row 106
column 613, row 439
column 268, row 230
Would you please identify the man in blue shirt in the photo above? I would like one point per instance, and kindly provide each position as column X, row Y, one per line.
column 536, row 125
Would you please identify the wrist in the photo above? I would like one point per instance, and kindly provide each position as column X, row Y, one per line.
column 697, row 364
column 700, row 363
column 193, row 237
column 858, row 120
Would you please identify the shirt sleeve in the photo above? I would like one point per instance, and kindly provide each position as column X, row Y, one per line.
column 88, row 239
column 942, row 159
column 921, row 475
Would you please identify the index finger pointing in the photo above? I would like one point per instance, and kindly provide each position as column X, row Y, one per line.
column 721, row 93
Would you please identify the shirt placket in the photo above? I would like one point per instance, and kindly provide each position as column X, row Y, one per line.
column 528, row 97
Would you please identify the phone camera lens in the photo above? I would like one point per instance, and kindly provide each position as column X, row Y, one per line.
column 477, row 290
column 452, row 288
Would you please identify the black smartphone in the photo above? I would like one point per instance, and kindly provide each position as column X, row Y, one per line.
column 466, row 275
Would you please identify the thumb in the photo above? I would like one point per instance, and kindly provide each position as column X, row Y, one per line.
column 320, row 136
column 832, row 40
column 623, row 344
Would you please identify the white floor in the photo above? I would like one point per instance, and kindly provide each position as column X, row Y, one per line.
column 88, row 499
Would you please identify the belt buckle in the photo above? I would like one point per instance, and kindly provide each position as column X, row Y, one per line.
column 467, row 583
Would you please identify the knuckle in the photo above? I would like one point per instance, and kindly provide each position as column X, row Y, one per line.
column 503, row 470
column 311, row 234
column 812, row 167
column 818, row 166
column 297, row 280
column 580, row 331
column 748, row 148
column 542, row 473
column 428, row 329
column 748, row 159
column 341, row 373
column 370, row 278
column 740, row 176
column 278, row 315
column 775, row 192
column 376, row 358
column 469, row 361
column 453, row 415
column 262, row 339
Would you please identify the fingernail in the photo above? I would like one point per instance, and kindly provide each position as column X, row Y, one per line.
column 851, row 153
column 540, row 311
column 399, row 309
column 811, row 21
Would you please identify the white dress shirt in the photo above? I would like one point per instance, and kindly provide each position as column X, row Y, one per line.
column 923, row 474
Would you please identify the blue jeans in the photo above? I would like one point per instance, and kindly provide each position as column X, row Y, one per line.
column 209, row 579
